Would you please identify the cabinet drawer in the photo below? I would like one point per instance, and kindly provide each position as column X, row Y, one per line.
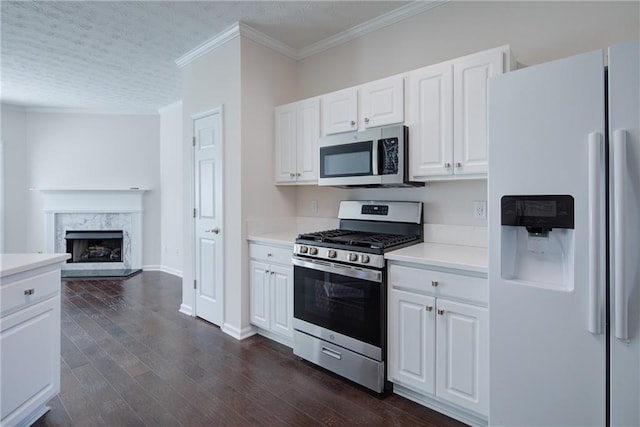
column 29, row 290
column 271, row 253
column 439, row 283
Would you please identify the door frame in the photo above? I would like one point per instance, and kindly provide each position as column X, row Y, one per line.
column 219, row 109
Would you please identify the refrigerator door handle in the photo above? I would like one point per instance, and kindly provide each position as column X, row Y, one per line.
column 619, row 148
column 596, row 216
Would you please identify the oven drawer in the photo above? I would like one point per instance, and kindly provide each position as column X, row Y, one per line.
column 270, row 253
column 439, row 283
column 339, row 360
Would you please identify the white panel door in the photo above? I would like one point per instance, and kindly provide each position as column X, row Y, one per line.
column 260, row 294
column 624, row 156
column 470, row 77
column 431, row 121
column 282, row 300
column 412, row 340
column 382, row 102
column 462, row 360
column 308, row 131
column 286, row 135
column 340, row 111
column 209, row 249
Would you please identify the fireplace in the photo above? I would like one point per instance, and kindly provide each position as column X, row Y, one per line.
column 94, row 245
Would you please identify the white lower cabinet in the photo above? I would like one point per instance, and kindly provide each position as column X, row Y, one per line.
column 29, row 344
column 272, row 292
column 438, row 345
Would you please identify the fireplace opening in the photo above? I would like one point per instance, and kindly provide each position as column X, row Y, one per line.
column 94, row 246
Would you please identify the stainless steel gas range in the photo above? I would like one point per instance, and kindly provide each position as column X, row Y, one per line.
column 340, row 287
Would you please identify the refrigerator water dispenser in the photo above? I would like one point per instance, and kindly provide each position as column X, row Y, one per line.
column 537, row 240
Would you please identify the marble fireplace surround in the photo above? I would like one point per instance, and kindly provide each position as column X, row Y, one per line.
column 95, row 209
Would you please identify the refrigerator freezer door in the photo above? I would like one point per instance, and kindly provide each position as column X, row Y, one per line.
column 624, row 127
column 546, row 367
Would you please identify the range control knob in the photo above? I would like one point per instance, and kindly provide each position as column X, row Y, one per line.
column 313, row 251
column 364, row 259
column 304, row 249
column 332, row 253
column 353, row 257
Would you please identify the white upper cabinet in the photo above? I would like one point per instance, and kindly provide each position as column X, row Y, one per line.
column 382, row 102
column 447, row 115
column 378, row 103
column 297, row 133
column 340, row 111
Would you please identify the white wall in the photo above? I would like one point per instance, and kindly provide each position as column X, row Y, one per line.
column 80, row 151
column 211, row 81
column 16, row 187
column 171, row 188
column 537, row 32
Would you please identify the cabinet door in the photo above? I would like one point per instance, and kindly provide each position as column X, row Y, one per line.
column 431, row 121
column 260, row 294
column 412, row 340
column 382, row 102
column 286, row 136
column 282, row 300
column 470, row 109
column 30, row 359
column 307, row 144
column 462, row 360
column 340, row 111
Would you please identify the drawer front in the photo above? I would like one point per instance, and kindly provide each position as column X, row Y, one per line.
column 29, row 290
column 439, row 283
column 271, row 253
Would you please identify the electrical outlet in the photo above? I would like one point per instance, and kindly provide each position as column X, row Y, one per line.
column 479, row 209
column 314, row 206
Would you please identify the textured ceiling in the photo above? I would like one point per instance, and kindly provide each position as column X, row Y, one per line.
column 120, row 56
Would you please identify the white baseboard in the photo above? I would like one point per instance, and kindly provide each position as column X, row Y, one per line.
column 237, row 333
column 186, row 309
column 164, row 269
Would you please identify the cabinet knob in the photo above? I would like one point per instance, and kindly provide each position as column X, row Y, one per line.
column 441, row 312
column 434, row 283
column 291, row 175
column 269, row 254
column 353, row 123
column 298, row 174
column 429, row 308
column 366, row 119
column 271, row 273
column 29, row 291
column 447, row 165
column 458, row 164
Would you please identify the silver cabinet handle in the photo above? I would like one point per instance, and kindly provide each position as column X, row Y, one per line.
column 332, row 353
column 29, row 291
column 215, row 230
column 366, row 119
column 447, row 165
column 291, row 175
column 353, row 123
column 441, row 312
column 434, row 283
column 429, row 308
column 298, row 174
column 458, row 164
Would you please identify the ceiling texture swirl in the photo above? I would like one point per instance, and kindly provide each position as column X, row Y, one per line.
column 121, row 55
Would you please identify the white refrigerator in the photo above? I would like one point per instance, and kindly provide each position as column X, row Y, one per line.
column 564, row 242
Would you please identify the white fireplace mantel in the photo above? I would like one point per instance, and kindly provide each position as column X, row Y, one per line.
column 92, row 209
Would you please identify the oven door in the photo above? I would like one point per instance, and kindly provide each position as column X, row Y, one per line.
column 341, row 304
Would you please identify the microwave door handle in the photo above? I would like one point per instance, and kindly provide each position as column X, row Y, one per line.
column 374, row 157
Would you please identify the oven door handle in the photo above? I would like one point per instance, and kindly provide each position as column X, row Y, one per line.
column 343, row 270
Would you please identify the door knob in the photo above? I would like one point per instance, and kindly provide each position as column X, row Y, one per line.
column 215, row 230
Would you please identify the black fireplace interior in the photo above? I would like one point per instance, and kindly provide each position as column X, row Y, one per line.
column 94, row 246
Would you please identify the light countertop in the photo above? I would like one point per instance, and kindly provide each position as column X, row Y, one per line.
column 18, row 263
column 470, row 258
column 282, row 238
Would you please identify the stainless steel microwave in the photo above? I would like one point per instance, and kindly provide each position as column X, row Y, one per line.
column 376, row 157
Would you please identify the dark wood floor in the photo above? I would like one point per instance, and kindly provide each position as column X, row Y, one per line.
column 129, row 358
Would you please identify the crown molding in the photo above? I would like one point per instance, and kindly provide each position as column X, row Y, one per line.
column 397, row 15
column 242, row 29
column 169, row 107
column 95, row 111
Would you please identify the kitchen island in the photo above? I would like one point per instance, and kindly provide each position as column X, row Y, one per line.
column 29, row 335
